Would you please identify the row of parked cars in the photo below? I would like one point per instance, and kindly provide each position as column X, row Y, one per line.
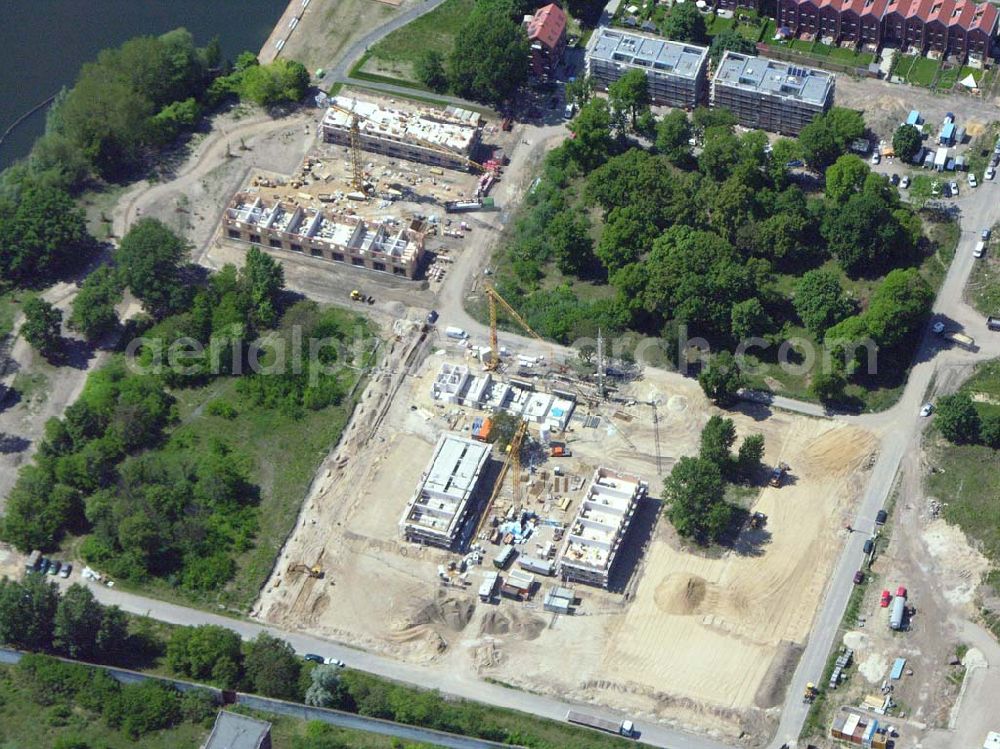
column 53, row 567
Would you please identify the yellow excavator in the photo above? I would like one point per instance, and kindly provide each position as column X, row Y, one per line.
column 315, row 571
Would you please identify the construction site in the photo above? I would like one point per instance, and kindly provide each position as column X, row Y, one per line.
column 490, row 511
column 377, row 182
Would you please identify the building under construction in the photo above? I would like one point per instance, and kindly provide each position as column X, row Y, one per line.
column 441, row 137
column 600, row 526
column 437, row 512
column 324, row 233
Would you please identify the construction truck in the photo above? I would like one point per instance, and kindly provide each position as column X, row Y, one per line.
column 778, row 474
column 357, row 296
column 810, row 694
column 619, row 727
column 559, row 450
column 962, row 340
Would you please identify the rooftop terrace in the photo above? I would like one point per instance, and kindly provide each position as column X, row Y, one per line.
column 775, row 78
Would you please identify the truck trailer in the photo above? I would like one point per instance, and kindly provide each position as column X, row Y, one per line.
column 897, row 612
column 962, row 340
column 621, row 728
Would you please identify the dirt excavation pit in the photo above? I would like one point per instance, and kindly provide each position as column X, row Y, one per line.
column 703, row 640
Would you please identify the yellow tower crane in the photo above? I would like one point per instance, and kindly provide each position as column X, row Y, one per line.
column 357, row 160
column 513, row 460
column 494, row 299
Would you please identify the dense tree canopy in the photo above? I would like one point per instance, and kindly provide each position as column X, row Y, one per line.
column 94, row 312
column 721, row 379
column 630, row 94
column 819, row 300
column 694, row 493
column 149, row 259
column 685, row 23
column 906, row 142
column 828, row 136
column 730, row 40
column 42, row 325
column 489, row 61
column 272, row 668
column 957, row 418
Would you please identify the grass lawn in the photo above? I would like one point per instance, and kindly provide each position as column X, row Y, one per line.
column 921, row 71
column 433, row 31
column 717, row 24
column 967, row 478
column 770, row 29
column 10, row 305
column 948, row 78
column 983, row 289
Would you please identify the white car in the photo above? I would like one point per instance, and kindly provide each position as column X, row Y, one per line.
column 954, row 189
column 990, row 173
column 927, row 409
column 905, row 182
column 972, row 180
column 333, row 662
column 876, row 157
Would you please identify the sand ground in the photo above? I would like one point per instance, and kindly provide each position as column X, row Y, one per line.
column 697, row 639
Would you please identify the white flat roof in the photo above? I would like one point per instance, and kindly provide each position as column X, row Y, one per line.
column 601, row 520
column 453, row 128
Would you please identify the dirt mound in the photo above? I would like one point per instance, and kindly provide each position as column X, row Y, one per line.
column 771, row 691
column 525, row 626
column 448, row 611
column 838, row 450
column 680, row 594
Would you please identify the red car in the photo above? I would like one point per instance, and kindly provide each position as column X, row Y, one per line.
column 901, row 592
column 859, row 577
column 884, row 602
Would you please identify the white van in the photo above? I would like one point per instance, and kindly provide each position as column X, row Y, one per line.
column 980, row 249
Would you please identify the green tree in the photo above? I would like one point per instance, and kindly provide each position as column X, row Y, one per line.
column 906, row 142
column 42, row 326
column 261, row 281
column 113, row 643
column 627, row 235
column 94, row 312
column 694, row 493
column 149, row 259
column 206, row 653
column 730, row 40
column 27, row 612
column 957, row 418
column 784, row 151
column 591, row 143
column 717, row 439
column 749, row 319
column 989, row 429
column 325, row 687
column 845, row 177
column 673, row 135
column 280, row 82
column 685, row 24
column 272, row 668
column 819, row 300
column 144, row 708
column 489, row 60
column 580, row 90
column 828, row 385
column 750, row 456
column 829, row 135
column 721, row 379
column 572, row 247
column 429, row 69
column 630, row 94
column 77, row 623
column 899, row 307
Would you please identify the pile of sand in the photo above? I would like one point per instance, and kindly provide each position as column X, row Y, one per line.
column 498, row 622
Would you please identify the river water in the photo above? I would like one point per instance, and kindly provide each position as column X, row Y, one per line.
column 43, row 43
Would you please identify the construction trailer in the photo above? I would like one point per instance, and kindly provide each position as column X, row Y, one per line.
column 502, row 560
column 859, row 729
column 441, row 504
column 518, row 585
column 559, row 600
column 488, row 588
column 538, row 566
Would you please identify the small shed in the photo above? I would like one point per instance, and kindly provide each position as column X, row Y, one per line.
column 947, row 136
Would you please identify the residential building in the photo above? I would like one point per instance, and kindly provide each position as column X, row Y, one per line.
column 960, row 28
column 437, row 512
column 546, row 31
column 598, row 531
column 235, row 731
column 769, row 94
column 324, row 233
column 676, row 71
column 441, row 137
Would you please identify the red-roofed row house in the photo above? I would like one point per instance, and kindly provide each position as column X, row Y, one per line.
column 547, row 33
column 950, row 27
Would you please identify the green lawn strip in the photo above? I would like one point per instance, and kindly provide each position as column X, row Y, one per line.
column 432, row 31
column 922, row 71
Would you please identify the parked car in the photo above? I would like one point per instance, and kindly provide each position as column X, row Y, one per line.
column 901, row 591
column 876, row 157
column 990, row 173
column 880, row 517
column 859, row 577
column 894, row 179
column 979, row 250
column 905, row 182
column 972, row 180
column 954, row 189
column 54, row 567
column 984, row 234
column 995, row 161
column 869, row 545
column 884, row 600
column 927, row 409
column 313, row 657
column 333, row 662
column 44, row 565
column 66, row 569
column 946, row 190
column 432, row 316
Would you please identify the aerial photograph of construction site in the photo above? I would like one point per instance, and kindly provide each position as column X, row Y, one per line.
column 568, row 376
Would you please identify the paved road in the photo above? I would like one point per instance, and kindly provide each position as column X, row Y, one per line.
column 295, row 710
column 448, row 683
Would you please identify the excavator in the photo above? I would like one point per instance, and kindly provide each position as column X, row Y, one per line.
column 315, row 571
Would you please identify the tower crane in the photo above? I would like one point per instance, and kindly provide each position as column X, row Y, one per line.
column 494, row 298
column 513, row 460
column 357, row 168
